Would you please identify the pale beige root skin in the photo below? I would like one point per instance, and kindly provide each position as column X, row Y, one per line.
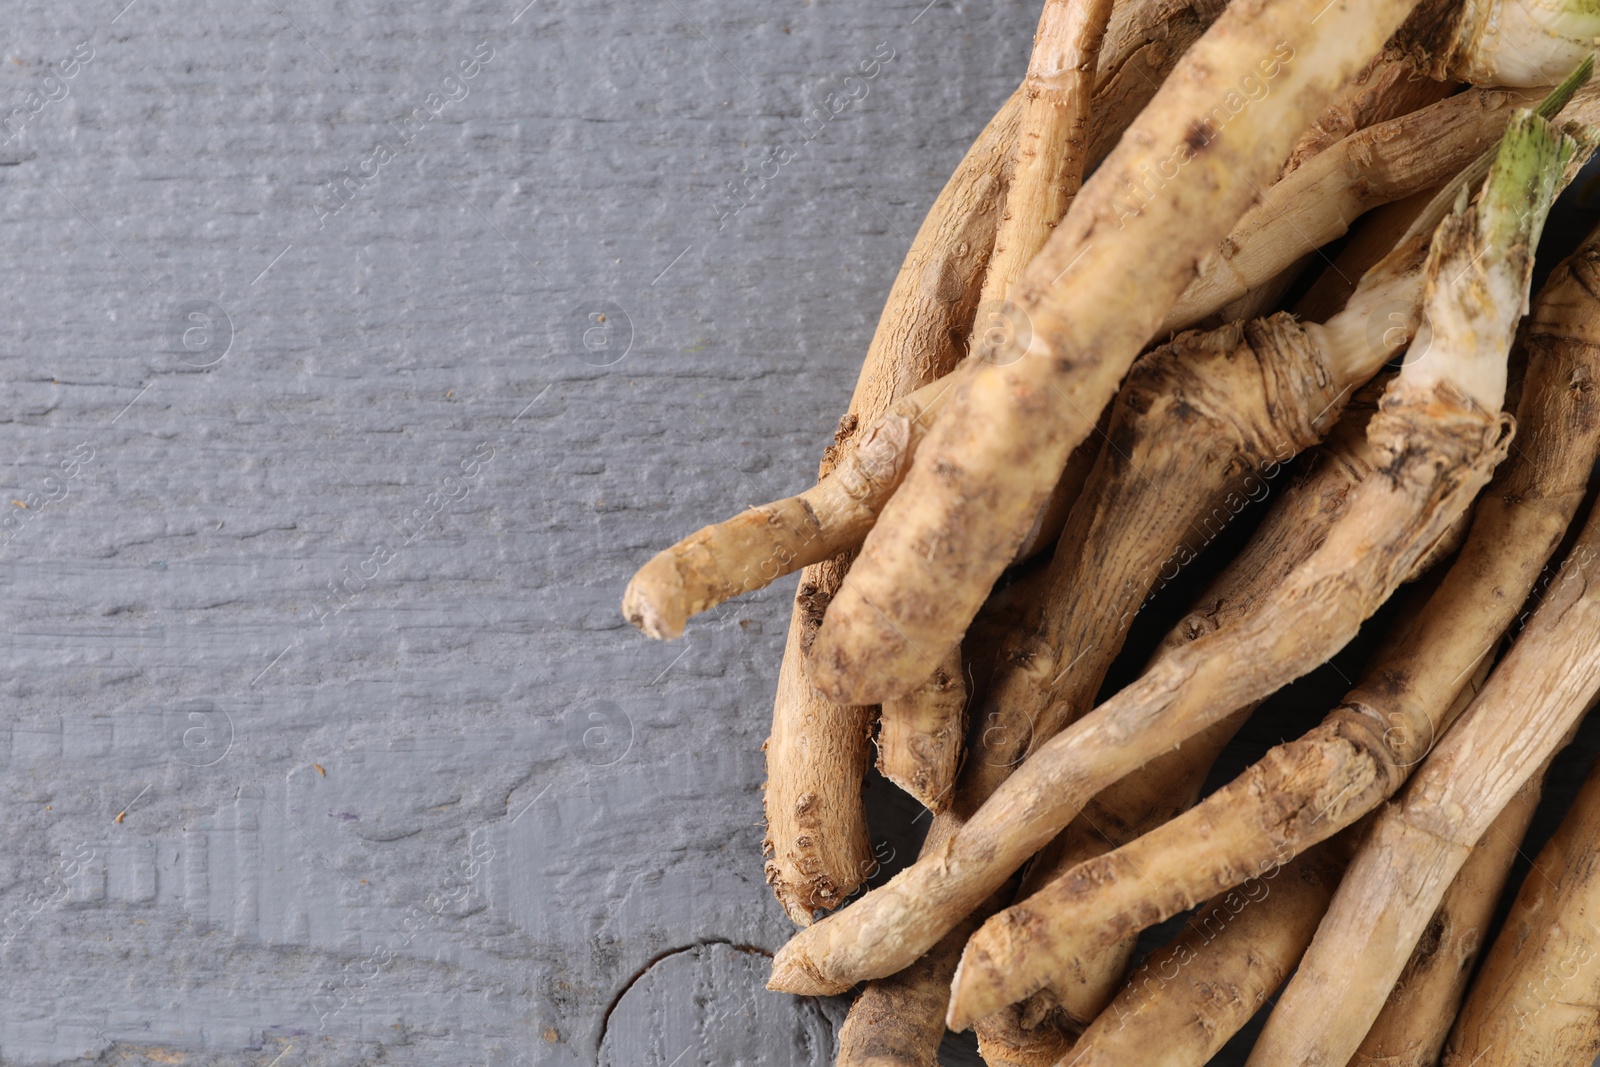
column 1536, row 1000
column 987, row 467
column 1296, row 527
column 1144, row 41
column 1307, row 789
column 919, row 741
column 1192, row 417
column 1533, row 699
column 1435, row 454
column 1418, row 845
column 1212, row 374
column 887, row 1024
column 1161, row 789
column 920, row 735
column 1304, row 790
column 1261, row 300
column 1190, row 998
column 897, row 1020
column 1004, row 1041
column 1040, row 1029
column 1181, row 1006
column 1052, row 141
column 763, row 543
column 1387, row 89
column 1199, row 429
column 1415, row 1020
column 1493, row 42
column 1192, row 430
column 1317, row 202
column 817, row 849
column 1447, row 545
column 1293, row 529
column 924, row 757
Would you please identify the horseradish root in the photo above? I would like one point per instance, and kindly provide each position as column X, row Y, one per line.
column 916, row 343
column 920, row 735
column 1305, row 790
column 1536, row 999
column 987, row 466
column 1295, row 526
column 1530, row 703
column 1316, row 203
column 1418, row 845
column 1416, row 1018
column 1436, row 439
column 929, row 310
column 1189, row 997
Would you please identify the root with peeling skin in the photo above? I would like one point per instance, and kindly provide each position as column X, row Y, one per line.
column 920, row 735
column 753, row 549
column 1305, row 790
column 1234, row 953
column 923, row 746
column 1435, row 447
column 1475, row 301
column 1534, row 1001
column 899, row 1020
column 1435, row 454
column 1416, row 1018
column 987, row 466
column 1528, row 708
column 1190, row 996
column 1383, row 163
column 1294, row 527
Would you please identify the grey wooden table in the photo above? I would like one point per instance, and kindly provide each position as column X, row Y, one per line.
column 354, row 354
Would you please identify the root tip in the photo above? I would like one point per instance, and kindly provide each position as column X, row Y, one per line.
column 797, row 909
column 794, row 972
column 826, row 675
column 975, row 992
column 858, row 671
column 957, row 1016
column 918, row 790
column 640, row 609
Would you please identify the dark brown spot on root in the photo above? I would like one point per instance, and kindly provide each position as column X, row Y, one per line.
column 1431, row 938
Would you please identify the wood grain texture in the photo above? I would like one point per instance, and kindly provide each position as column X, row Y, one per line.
column 470, row 687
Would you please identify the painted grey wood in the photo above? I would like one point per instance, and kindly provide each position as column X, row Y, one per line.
column 449, row 812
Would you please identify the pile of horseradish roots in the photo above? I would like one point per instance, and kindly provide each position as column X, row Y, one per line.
column 1295, row 281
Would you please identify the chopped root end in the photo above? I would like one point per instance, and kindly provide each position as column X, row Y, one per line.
column 793, row 973
column 646, row 615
